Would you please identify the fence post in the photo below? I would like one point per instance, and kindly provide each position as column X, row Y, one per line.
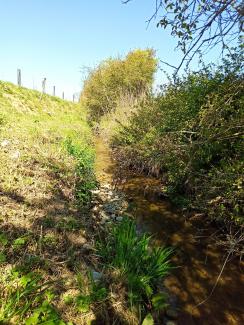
column 63, row 95
column 54, row 90
column 19, row 77
column 44, row 85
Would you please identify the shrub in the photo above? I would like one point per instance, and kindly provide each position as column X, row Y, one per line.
column 114, row 77
column 191, row 134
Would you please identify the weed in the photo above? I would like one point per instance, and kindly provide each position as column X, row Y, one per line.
column 23, row 293
column 84, row 157
column 91, row 292
column 140, row 266
column 68, row 223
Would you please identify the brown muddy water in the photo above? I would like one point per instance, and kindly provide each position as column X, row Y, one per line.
column 198, row 260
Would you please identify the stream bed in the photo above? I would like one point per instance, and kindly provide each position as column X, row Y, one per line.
column 198, row 260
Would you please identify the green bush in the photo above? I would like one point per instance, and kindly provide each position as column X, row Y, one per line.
column 191, row 134
column 114, row 77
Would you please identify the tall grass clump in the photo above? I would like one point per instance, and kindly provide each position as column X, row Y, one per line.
column 140, row 267
column 190, row 135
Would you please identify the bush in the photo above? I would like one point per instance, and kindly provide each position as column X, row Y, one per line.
column 114, row 77
column 191, row 134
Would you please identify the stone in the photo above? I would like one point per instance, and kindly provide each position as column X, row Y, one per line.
column 95, row 191
column 119, row 219
column 5, row 143
column 170, row 322
column 172, row 313
column 95, row 209
column 109, row 208
column 88, row 247
column 97, row 276
column 15, row 155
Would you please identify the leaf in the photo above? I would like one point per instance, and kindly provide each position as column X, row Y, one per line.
column 25, row 279
column 33, row 320
column 3, row 239
column 158, row 301
column 20, row 241
column 83, row 308
column 148, row 320
column 83, row 303
column 2, row 258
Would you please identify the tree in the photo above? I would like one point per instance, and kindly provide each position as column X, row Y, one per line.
column 200, row 25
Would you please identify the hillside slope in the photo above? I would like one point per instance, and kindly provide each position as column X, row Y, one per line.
column 46, row 162
column 66, row 248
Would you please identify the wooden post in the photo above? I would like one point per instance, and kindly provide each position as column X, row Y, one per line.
column 19, row 77
column 54, row 90
column 44, row 85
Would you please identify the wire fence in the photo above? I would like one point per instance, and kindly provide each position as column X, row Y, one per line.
column 74, row 97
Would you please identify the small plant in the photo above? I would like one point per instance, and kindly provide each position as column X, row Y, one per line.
column 91, row 292
column 84, row 169
column 69, row 224
column 20, row 242
column 25, row 293
column 3, row 257
column 140, row 266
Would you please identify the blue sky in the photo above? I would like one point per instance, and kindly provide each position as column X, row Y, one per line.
column 56, row 38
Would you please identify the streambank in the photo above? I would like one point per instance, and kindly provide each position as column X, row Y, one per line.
column 198, row 259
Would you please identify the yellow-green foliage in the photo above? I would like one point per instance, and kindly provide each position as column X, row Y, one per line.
column 114, row 77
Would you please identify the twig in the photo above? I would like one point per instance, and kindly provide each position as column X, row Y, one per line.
column 215, row 285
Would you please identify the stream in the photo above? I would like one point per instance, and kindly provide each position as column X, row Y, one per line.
column 198, row 260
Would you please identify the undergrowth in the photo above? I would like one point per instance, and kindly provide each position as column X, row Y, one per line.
column 190, row 136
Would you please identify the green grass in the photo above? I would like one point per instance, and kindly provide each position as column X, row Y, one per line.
column 139, row 267
column 27, row 300
column 46, row 172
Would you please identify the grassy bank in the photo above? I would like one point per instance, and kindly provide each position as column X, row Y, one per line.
column 46, row 172
column 57, row 266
